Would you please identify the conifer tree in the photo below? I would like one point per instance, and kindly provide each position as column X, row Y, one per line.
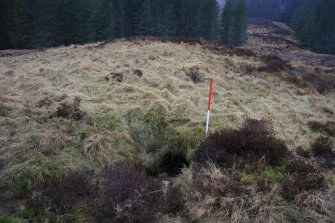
column 168, row 21
column 146, row 20
column 23, row 23
column 226, row 23
column 68, row 22
column 109, row 21
column 239, row 28
column 6, row 23
column 44, row 23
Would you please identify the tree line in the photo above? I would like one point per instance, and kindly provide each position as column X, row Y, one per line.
column 48, row 23
column 312, row 20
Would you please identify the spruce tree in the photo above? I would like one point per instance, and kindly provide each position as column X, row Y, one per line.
column 109, row 21
column 44, row 23
column 23, row 24
column 68, row 22
column 168, row 19
column 209, row 21
column 226, row 23
column 146, row 21
column 6, row 23
column 239, row 29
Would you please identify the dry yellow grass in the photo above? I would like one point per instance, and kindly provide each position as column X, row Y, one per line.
column 80, row 71
column 33, row 85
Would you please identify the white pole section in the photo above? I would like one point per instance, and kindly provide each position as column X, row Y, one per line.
column 207, row 121
column 209, row 104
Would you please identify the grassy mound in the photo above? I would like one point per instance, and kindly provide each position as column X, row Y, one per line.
column 115, row 132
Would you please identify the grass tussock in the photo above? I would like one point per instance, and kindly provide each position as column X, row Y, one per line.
column 221, row 195
column 67, row 110
column 327, row 127
column 21, row 179
column 194, row 74
column 61, row 194
column 121, row 193
column 108, row 147
column 302, row 153
column 294, row 185
column 322, row 148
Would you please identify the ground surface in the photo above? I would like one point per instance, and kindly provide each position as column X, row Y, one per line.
column 36, row 142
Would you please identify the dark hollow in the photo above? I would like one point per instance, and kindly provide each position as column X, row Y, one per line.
column 172, row 164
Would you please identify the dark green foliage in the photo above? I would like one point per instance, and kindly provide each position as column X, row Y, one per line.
column 47, row 23
column 8, row 219
column 44, row 24
column 6, row 23
column 226, row 23
column 254, row 141
column 146, row 17
column 239, row 27
column 22, row 34
column 233, row 23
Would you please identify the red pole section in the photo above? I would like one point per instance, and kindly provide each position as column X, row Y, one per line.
column 210, row 94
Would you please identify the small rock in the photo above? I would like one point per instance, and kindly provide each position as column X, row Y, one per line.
column 139, row 73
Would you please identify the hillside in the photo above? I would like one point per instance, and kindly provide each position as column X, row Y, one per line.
column 87, row 106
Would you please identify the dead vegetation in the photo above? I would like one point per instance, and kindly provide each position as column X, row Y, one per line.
column 73, row 111
column 4, row 109
column 327, row 127
column 273, row 64
column 128, row 194
column 302, row 153
column 62, row 193
column 294, row 185
column 322, row 148
column 194, row 74
column 254, row 141
column 321, row 82
column 125, row 194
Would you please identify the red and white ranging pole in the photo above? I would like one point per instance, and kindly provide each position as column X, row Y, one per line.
column 209, row 104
